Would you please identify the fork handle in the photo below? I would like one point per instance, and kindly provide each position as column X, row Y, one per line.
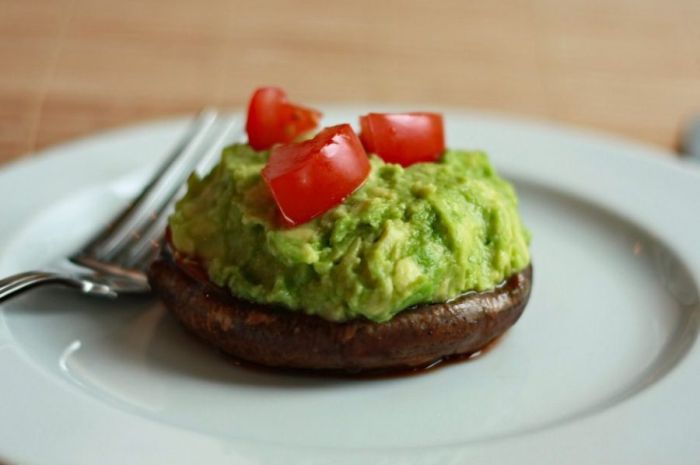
column 22, row 282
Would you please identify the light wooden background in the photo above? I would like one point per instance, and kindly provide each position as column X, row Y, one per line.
column 72, row 67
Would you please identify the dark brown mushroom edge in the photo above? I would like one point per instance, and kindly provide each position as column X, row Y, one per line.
column 275, row 337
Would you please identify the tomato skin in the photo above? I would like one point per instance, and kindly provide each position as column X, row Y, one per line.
column 311, row 177
column 403, row 138
column 272, row 119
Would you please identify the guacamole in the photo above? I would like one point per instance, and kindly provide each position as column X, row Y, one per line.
column 426, row 233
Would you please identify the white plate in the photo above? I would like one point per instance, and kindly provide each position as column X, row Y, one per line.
column 602, row 368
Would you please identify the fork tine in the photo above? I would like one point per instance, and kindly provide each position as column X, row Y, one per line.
column 169, row 177
column 137, row 253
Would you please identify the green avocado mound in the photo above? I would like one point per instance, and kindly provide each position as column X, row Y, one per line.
column 426, row 233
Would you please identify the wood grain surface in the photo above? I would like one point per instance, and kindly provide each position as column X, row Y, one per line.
column 73, row 67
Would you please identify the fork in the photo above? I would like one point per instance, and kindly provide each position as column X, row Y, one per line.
column 115, row 260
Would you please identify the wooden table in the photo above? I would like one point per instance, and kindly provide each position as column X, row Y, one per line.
column 72, row 67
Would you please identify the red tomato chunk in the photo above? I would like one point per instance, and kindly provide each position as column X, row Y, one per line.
column 403, row 138
column 311, row 177
column 272, row 119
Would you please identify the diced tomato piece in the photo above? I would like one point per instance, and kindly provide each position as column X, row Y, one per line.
column 272, row 119
column 311, row 177
column 403, row 138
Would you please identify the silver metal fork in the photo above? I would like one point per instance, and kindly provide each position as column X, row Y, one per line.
column 115, row 261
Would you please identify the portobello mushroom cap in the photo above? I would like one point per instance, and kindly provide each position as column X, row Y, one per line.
column 276, row 337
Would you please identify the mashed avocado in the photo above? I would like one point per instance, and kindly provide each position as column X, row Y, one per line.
column 425, row 233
